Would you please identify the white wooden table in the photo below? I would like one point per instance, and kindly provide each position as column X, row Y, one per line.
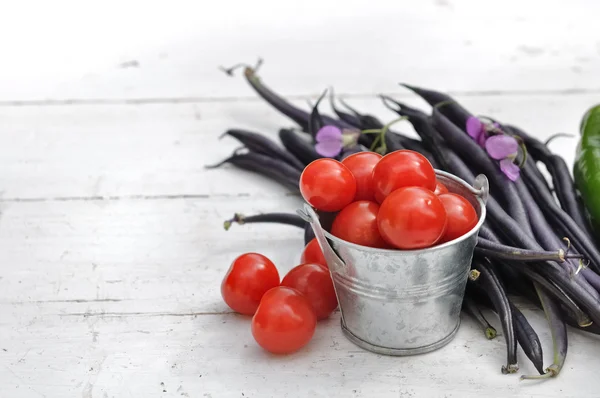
column 111, row 241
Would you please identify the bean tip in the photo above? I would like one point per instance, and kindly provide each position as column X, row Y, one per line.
column 557, row 135
column 568, row 241
column 490, row 333
column 332, row 99
column 345, row 105
column 248, row 70
column 221, row 163
column 388, row 101
column 216, row 165
column 546, row 375
column 227, row 71
column 323, row 94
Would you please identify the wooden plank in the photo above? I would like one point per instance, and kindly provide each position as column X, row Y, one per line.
column 50, row 355
column 133, row 256
column 174, row 51
column 113, row 298
column 161, row 149
column 121, row 151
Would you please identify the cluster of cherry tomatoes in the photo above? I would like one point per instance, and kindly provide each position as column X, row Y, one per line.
column 284, row 313
column 389, row 202
column 393, row 202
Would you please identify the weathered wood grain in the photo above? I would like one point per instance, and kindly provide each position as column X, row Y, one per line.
column 141, row 256
column 113, row 298
column 116, row 51
column 164, row 355
column 162, row 149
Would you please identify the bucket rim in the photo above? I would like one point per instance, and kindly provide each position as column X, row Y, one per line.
column 481, row 199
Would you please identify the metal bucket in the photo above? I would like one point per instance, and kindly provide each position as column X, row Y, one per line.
column 402, row 302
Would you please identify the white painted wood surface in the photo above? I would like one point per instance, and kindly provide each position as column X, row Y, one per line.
column 115, row 50
column 111, row 244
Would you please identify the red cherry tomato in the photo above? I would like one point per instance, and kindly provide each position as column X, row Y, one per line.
column 461, row 214
column 327, row 185
column 284, row 321
column 314, row 282
column 248, row 278
column 402, row 168
column 412, row 218
column 313, row 254
column 357, row 223
column 440, row 188
column 361, row 165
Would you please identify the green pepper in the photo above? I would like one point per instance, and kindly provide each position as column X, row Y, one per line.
column 586, row 169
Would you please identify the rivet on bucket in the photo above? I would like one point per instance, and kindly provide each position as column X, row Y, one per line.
column 402, row 302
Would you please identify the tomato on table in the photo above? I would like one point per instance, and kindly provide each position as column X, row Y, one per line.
column 284, row 321
column 248, row 278
column 461, row 214
column 361, row 165
column 357, row 223
column 402, row 168
column 315, row 283
column 327, row 185
column 312, row 253
column 412, row 218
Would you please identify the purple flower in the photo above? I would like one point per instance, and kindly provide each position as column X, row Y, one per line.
column 477, row 130
column 501, row 146
column 475, row 127
column 331, row 140
column 510, row 169
column 497, row 144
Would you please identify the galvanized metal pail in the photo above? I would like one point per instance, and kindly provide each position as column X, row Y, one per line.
column 402, row 302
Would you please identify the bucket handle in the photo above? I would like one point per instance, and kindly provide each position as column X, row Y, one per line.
column 481, row 188
column 309, row 215
column 334, row 262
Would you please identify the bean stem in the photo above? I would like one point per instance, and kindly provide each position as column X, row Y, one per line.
column 498, row 250
column 474, row 311
column 277, row 218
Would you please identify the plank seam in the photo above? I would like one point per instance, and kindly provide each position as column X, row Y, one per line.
column 146, row 314
column 130, row 197
column 191, row 100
